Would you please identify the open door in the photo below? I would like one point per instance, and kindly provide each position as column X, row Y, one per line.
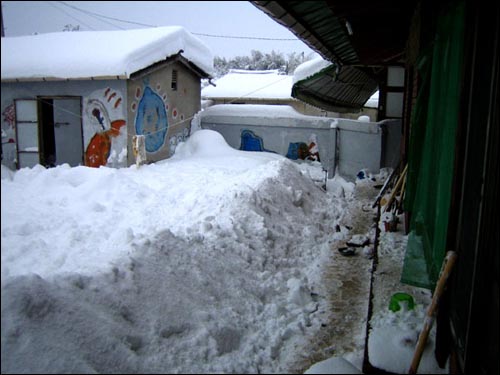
column 68, row 137
column 49, row 131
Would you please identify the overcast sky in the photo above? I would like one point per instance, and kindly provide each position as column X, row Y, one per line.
column 222, row 19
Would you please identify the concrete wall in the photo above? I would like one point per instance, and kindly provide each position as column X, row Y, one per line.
column 348, row 145
column 359, row 146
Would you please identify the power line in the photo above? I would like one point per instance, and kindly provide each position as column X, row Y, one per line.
column 199, row 34
column 69, row 15
column 169, row 126
column 248, row 37
column 92, row 14
column 107, row 17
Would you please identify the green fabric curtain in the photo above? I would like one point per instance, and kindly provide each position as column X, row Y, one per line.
column 432, row 149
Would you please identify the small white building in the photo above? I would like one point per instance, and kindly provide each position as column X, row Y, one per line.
column 81, row 97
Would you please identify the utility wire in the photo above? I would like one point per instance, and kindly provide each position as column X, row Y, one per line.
column 248, row 37
column 92, row 14
column 169, row 126
column 69, row 15
column 199, row 34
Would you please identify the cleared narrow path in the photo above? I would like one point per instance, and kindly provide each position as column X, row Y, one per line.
column 348, row 285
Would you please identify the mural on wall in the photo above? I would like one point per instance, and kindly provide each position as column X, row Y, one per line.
column 296, row 150
column 251, row 142
column 304, row 151
column 151, row 118
column 313, row 148
column 9, row 133
column 9, row 118
column 151, row 110
column 103, row 121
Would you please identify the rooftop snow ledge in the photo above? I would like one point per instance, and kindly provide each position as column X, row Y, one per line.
column 242, row 71
column 310, row 68
column 86, row 54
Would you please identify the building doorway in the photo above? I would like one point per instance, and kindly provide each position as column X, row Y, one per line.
column 49, row 131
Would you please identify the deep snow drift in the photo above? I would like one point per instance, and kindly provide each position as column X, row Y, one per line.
column 216, row 260
column 207, row 262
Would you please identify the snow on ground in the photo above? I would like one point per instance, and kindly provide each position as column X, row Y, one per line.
column 207, row 262
column 214, row 261
column 393, row 335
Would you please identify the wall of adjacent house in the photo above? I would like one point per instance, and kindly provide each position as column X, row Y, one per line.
column 281, row 139
column 346, row 146
column 160, row 106
column 101, row 116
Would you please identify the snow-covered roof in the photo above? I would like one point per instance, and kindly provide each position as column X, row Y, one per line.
column 310, row 68
column 263, row 115
column 251, row 84
column 98, row 54
column 373, row 101
column 256, row 110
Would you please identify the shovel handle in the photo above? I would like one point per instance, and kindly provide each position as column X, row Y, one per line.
column 448, row 263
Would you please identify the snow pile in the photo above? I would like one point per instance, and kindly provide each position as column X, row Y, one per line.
column 333, row 365
column 207, row 262
column 86, row 54
column 393, row 339
column 393, row 335
column 214, row 261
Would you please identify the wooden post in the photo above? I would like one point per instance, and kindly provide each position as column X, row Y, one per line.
column 139, row 149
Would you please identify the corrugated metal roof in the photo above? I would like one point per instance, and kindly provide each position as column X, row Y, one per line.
column 314, row 23
column 340, row 89
column 357, row 36
column 349, row 32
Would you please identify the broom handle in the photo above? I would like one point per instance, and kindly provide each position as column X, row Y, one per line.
column 396, row 188
column 448, row 263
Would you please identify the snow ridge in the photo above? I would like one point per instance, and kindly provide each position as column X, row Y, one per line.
column 208, row 267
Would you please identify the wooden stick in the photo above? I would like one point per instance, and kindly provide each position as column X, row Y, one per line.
column 384, row 188
column 396, row 188
column 400, row 203
column 448, row 263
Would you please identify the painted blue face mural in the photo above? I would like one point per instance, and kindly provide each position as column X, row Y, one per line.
column 151, row 120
